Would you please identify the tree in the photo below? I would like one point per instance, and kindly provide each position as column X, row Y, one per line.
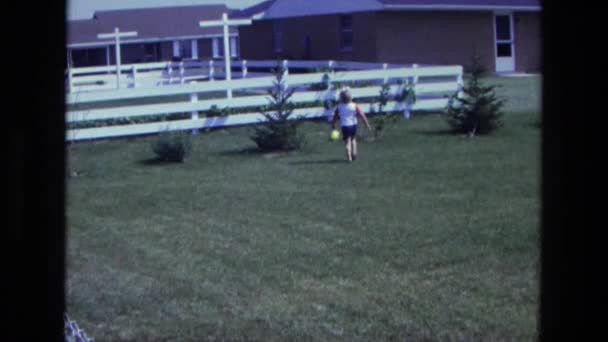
column 479, row 111
column 279, row 132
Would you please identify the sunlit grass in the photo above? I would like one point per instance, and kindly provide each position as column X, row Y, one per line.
column 427, row 235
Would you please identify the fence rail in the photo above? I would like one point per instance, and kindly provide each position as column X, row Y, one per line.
column 431, row 94
column 145, row 75
column 267, row 64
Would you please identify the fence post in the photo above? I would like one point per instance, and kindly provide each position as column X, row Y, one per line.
column 408, row 100
column 181, row 71
column 285, row 72
column 328, row 79
column 385, row 67
column 194, row 113
column 134, row 77
column 329, row 75
column 285, row 67
column 406, row 111
column 170, row 71
column 211, row 70
column 460, row 85
column 244, row 68
column 330, row 65
column 406, row 105
column 69, row 80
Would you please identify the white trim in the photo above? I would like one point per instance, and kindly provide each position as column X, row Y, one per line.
column 463, row 8
column 502, row 12
column 231, row 22
column 176, row 52
column 194, row 48
column 116, row 34
column 233, row 50
column 145, row 40
column 215, row 47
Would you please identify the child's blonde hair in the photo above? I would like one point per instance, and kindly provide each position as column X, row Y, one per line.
column 345, row 95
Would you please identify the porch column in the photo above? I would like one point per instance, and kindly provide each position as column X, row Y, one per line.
column 108, row 56
column 194, row 45
column 176, row 48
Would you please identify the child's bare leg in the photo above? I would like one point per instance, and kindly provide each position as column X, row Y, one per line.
column 354, row 149
column 349, row 149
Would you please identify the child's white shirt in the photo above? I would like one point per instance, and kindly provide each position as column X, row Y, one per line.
column 348, row 113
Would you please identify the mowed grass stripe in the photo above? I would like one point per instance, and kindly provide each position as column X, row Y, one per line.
column 427, row 235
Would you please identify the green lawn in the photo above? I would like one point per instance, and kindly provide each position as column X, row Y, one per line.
column 427, row 235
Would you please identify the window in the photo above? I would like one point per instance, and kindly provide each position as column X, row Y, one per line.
column 503, row 50
column 89, row 57
column 346, row 33
column 503, row 27
column 151, row 52
column 185, row 49
column 150, row 49
column 504, row 37
column 218, row 47
column 277, row 36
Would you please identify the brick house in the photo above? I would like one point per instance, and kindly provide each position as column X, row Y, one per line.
column 164, row 34
column 505, row 32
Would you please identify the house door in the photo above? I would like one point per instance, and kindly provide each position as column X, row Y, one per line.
column 504, row 42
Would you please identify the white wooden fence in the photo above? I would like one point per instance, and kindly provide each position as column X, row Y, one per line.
column 430, row 96
column 145, row 75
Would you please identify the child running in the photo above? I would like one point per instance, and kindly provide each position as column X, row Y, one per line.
column 347, row 111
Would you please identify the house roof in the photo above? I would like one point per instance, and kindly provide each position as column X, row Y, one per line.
column 80, row 31
column 298, row 8
column 462, row 4
column 253, row 11
column 151, row 24
column 276, row 9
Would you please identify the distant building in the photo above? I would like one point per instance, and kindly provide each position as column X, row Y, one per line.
column 163, row 34
column 506, row 32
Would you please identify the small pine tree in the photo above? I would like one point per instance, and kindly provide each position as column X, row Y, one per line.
column 387, row 119
column 479, row 111
column 278, row 133
column 382, row 119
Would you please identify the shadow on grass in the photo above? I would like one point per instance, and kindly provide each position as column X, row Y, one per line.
column 438, row 132
column 254, row 151
column 156, row 162
column 242, row 151
column 326, row 161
